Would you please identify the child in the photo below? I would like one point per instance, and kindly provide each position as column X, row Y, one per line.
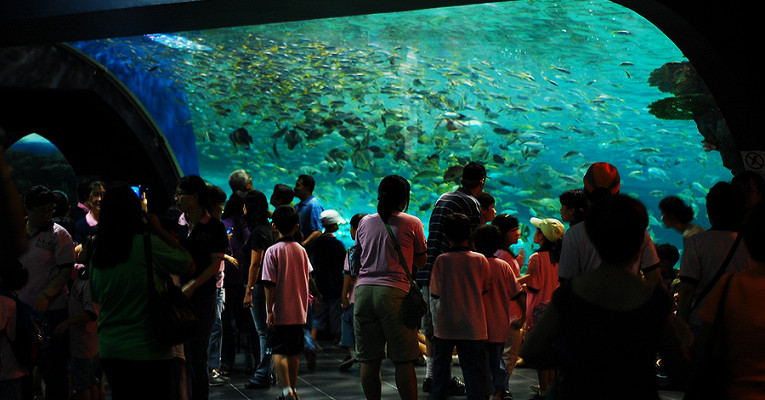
column 487, row 202
column 458, row 280
column 83, row 340
column 348, row 340
column 541, row 280
column 509, row 228
column 668, row 257
column 505, row 289
column 285, row 275
column 15, row 381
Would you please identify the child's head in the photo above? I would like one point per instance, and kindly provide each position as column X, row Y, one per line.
column 285, row 219
column 13, row 275
column 573, row 204
column 457, row 228
column 355, row 223
column 508, row 228
column 331, row 220
column 668, row 257
column 550, row 230
column 487, row 202
column 487, row 240
column 616, row 228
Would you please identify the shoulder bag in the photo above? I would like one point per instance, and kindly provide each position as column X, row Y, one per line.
column 171, row 315
column 414, row 307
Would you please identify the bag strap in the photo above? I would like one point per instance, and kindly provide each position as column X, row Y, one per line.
column 719, row 273
column 398, row 249
column 719, row 314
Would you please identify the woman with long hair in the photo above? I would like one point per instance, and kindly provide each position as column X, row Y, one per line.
column 381, row 287
column 128, row 349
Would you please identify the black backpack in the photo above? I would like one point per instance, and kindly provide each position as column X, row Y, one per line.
column 32, row 332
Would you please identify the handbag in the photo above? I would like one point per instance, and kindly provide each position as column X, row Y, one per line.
column 413, row 307
column 171, row 316
column 708, row 378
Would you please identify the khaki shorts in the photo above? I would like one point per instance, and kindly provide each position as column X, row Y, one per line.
column 377, row 322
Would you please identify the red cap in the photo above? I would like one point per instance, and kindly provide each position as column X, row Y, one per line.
column 602, row 175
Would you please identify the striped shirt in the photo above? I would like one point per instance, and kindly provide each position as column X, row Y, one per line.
column 458, row 201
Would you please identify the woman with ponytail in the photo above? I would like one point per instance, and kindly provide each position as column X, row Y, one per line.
column 382, row 285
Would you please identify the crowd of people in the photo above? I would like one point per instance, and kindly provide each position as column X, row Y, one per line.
column 599, row 312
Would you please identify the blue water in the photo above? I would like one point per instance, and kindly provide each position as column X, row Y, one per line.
column 536, row 90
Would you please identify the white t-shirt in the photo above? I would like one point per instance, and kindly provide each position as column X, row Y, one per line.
column 579, row 256
column 48, row 249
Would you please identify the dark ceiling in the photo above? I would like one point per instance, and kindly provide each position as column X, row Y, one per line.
column 718, row 38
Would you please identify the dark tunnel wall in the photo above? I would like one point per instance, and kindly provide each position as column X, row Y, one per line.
column 97, row 124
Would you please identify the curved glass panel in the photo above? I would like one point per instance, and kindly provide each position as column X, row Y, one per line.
column 537, row 91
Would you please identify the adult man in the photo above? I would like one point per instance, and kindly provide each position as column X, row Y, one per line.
column 462, row 200
column 309, row 210
column 50, row 261
column 578, row 255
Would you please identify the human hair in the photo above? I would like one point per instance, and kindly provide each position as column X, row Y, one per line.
column 215, row 196
column 121, row 219
column 487, row 240
column 668, row 253
column 195, row 185
column 616, row 227
column 356, row 219
column 505, row 223
column 13, row 275
column 392, row 192
column 308, row 182
column 456, row 227
column 257, row 208
column 285, row 218
column 744, row 177
column 754, row 233
column 676, row 207
column 61, row 203
column 239, row 180
column 472, row 175
column 553, row 248
column 84, row 188
column 726, row 206
column 485, row 199
column 282, row 194
column 38, row 195
column 575, row 199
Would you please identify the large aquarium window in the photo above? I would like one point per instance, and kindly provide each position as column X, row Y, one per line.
column 535, row 90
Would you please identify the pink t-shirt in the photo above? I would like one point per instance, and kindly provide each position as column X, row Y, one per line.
column 459, row 280
column 516, row 312
column 286, row 264
column 497, row 301
column 380, row 263
column 542, row 284
column 9, row 367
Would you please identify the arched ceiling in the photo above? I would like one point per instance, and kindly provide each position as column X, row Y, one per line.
column 717, row 38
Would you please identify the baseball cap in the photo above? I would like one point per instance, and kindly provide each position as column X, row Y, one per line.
column 330, row 217
column 602, row 175
column 550, row 227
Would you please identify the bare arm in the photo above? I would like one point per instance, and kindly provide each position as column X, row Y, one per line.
column 270, row 289
column 256, row 261
column 685, row 292
column 191, row 286
column 311, row 238
column 42, row 302
column 345, row 297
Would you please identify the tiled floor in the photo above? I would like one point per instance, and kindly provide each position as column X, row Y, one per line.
column 327, row 383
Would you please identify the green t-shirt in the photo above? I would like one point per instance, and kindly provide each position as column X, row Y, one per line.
column 123, row 324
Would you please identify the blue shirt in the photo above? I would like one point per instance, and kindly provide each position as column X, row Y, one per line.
column 309, row 211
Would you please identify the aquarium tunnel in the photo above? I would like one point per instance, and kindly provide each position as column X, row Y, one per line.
column 536, row 91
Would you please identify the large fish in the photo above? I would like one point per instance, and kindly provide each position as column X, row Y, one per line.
column 240, row 137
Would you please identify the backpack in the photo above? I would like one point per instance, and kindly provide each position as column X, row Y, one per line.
column 32, row 332
column 354, row 259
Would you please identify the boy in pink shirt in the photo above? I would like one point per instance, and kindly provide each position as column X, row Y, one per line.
column 285, row 277
column 458, row 281
column 505, row 290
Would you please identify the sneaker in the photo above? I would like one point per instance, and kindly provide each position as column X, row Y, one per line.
column 215, row 379
column 310, row 359
column 426, row 385
column 455, row 387
column 506, row 395
column 347, row 363
column 291, row 396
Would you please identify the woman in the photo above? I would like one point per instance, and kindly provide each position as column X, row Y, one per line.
column 675, row 214
column 128, row 349
column 602, row 330
column 381, row 287
column 261, row 237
